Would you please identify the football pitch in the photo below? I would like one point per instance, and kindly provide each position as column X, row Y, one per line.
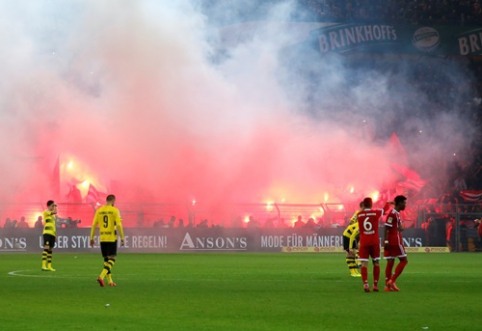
column 237, row 292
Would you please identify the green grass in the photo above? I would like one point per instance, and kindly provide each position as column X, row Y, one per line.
column 236, row 292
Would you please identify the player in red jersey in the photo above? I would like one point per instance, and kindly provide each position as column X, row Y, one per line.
column 368, row 220
column 393, row 244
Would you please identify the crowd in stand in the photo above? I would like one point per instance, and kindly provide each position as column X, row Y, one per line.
column 460, row 12
column 400, row 11
column 22, row 224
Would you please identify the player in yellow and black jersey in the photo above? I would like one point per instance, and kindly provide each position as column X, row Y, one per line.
column 349, row 243
column 109, row 220
column 49, row 235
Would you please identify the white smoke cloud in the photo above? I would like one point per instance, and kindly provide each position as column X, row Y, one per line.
column 139, row 92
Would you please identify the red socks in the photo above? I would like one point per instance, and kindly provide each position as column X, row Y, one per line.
column 399, row 269
column 364, row 274
column 388, row 269
column 376, row 274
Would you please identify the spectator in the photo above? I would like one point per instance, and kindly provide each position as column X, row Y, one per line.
column 310, row 223
column 22, row 224
column 171, row 222
column 299, row 223
column 8, row 223
column 252, row 223
column 38, row 223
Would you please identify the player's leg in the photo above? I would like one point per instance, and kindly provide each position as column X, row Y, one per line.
column 49, row 259
column 402, row 256
column 364, row 255
column 376, row 266
column 388, row 272
column 104, row 251
column 350, row 257
column 399, row 269
column 44, row 257
column 388, row 255
column 357, row 261
column 364, row 275
column 45, row 252
column 376, row 274
column 49, row 242
column 110, row 262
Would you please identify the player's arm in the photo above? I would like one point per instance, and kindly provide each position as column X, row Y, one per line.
column 385, row 235
column 118, row 223
column 353, row 236
column 92, row 230
column 354, row 218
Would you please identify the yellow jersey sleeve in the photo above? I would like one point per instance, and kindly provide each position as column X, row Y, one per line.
column 94, row 225
column 119, row 226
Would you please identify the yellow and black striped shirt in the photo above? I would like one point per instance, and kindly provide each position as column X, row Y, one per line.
column 351, row 232
column 50, row 226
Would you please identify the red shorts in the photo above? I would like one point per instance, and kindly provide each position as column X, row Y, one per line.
column 365, row 252
column 393, row 251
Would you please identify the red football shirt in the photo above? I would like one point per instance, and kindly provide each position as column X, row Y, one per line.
column 368, row 226
column 394, row 221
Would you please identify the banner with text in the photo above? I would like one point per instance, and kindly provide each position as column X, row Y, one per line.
column 173, row 240
column 360, row 37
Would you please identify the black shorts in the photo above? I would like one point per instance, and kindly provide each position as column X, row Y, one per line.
column 108, row 248
column 346, row 243
column 49, row 240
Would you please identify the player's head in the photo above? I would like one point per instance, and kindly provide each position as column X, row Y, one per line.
column 368, row 202
column 362, row 205
column 110, row 199
column 51, row 205
column 400, row 202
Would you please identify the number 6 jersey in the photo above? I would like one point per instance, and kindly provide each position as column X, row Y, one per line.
column 368, row 226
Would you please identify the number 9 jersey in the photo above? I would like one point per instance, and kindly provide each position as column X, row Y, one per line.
column 109, row 220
